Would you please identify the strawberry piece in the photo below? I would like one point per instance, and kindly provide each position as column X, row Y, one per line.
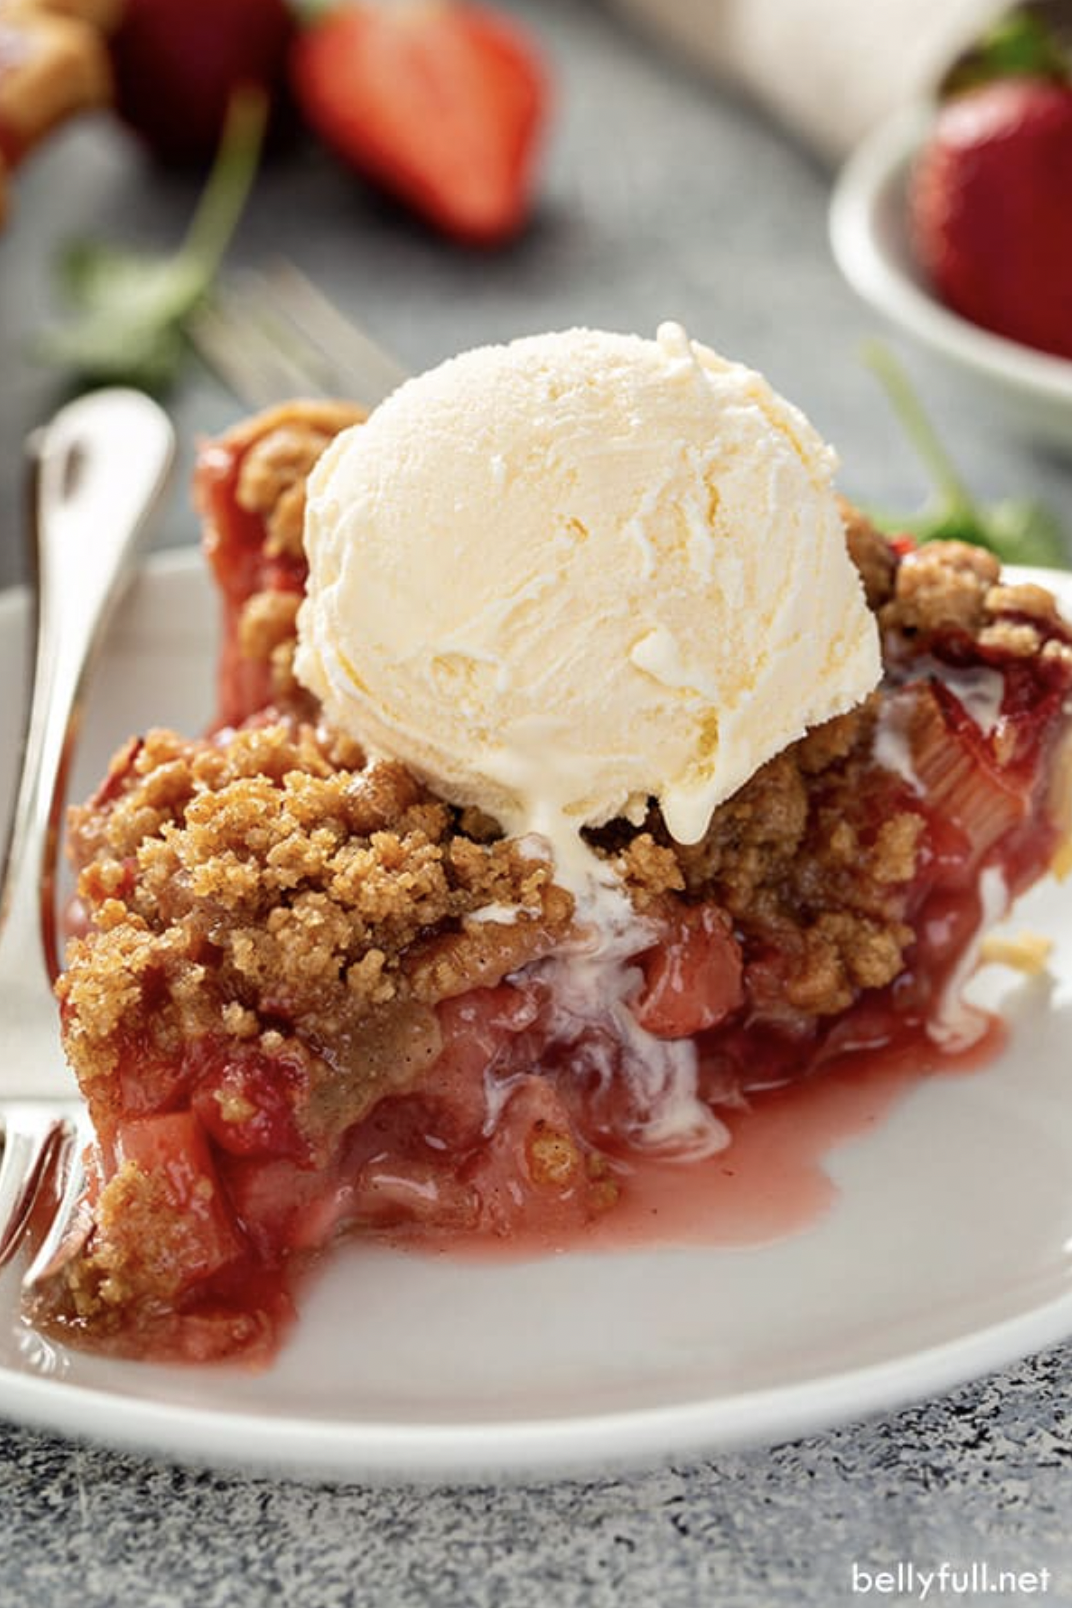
column 991, row 209
column 177, row 64
column 693, row 978
column 245, row 1098
column 440, row 104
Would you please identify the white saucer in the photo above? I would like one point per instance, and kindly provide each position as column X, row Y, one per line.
column 947, row 1252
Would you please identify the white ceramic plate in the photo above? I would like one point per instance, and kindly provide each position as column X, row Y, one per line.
column 948, row 1251
column 869, row 237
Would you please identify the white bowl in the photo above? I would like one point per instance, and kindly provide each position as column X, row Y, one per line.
column 870, row 240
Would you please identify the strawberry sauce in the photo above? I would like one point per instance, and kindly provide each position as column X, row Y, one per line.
column 771, row 1180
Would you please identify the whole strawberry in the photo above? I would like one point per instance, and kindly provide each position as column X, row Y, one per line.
column 991, row 208
column 177, row 63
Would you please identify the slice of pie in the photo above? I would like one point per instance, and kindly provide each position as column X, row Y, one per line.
column 311, row 998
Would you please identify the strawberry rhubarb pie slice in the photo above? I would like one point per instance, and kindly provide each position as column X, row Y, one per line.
column 583, row 767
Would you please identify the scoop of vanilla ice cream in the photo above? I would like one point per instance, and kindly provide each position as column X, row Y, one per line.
column 563, row 576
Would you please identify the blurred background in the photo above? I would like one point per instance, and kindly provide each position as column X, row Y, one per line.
column 662, row 191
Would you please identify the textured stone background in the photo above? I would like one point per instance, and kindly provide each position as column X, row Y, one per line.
column 982, row 1474
column 663, row 198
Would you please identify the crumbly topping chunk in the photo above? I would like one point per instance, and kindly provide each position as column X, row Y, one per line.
column 268, row 621
column 271, row 881
column 812, row 867
column 941, row 586
column 250, row 485
column 137, row 1259
column 872, row 555
column 276, row 463
column 140, row 1248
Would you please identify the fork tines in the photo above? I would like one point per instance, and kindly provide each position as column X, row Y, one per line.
column 71, row 1217
column 273, row 335
column 41, row 1163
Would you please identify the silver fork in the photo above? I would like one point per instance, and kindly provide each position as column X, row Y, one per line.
column 98, row 470
column 272, row 334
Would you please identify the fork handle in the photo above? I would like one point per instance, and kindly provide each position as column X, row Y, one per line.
column 97, row 471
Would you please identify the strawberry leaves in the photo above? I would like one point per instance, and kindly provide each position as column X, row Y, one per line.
column 1024, row 42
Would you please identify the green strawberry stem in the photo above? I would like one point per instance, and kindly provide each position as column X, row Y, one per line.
column 229, row 183
column 310, row 12
column 1021, row 42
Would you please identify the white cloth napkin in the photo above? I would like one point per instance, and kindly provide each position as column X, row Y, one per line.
column 828, row 69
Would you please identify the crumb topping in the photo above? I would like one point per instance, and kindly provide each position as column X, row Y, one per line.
column 271, row 881
column 268, row 622
column 250, row 489
column 871, row 553
column 800, row 879
column 275, row 463
column 947, row 587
